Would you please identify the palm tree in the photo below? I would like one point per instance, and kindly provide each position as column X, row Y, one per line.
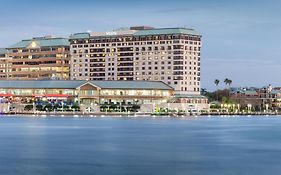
column 203, row 91
column 217, row 82
column 226, row 81
column 229, row 83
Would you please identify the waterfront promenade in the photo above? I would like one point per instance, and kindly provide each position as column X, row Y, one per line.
column 138, row 114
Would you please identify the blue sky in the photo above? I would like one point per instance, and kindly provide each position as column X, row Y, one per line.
column 241, row 39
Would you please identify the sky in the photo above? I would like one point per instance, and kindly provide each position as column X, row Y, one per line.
column 240, row 39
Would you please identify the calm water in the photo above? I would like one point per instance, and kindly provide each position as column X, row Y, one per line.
column 166, row 146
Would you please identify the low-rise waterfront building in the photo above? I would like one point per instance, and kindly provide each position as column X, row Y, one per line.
column 270, row 97
column 91, row 96
column 258, row 99
column 190, row 102
column 247, row 97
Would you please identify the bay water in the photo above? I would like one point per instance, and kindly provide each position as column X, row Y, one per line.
column 217, row 145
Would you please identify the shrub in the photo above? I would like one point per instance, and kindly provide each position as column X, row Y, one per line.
column 56, row 106
column 39, row 107
column 48, row 107
column 28, row 107
column 75, row 107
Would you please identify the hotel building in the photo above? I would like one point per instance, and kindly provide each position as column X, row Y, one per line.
column 39, row 58
column 171, row 55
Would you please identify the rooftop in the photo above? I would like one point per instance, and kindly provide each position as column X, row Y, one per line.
column 132, row 85
column 41, row 42
column 73, row 84
column 137, row 31
column 190, row 96
column 32, row 84
column 247, row 92
column 79, row 35
column 166, row 31
column 3, row 51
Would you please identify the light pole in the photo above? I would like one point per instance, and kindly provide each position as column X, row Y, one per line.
column 34, row 107
column 62, row 106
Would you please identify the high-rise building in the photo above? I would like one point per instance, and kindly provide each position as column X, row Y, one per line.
column 39, row 58
column 171, row 55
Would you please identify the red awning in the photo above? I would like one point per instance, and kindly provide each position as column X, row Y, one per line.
column 6, row 95
column 56, row 95
column 38, row 95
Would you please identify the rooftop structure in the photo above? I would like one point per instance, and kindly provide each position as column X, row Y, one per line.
column 137, row 31
column 47, row 41
column 3, row 52
column 71, row 84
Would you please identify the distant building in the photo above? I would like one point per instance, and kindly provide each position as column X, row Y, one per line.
column 171, row 55
column 39, row 58
column 276, row 102
column 266, row 98
column 245, row 97
column 271, row 97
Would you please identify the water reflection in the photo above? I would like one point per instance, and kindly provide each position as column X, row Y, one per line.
column 94, row 145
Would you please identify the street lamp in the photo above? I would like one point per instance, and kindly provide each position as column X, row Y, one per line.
column 249, row 107
column 62, row 106
column 34, row 107
column 266, row 107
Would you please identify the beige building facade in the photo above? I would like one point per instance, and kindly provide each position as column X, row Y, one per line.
column 171, row 55
column 38, row 58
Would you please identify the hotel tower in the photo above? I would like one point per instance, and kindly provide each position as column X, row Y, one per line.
column 171, row 55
